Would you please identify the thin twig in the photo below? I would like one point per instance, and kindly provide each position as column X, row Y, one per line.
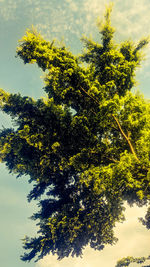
column 95, row 100
column 114, row 160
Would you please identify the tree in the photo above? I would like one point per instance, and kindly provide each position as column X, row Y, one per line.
column 126, row 261
column 85, row 146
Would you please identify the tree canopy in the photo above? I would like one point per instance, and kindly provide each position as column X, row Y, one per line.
column 85, row 146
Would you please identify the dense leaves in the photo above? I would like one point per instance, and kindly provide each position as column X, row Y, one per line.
column 85, row 146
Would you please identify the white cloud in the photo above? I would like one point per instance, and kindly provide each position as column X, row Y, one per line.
column 8, row 9
column 133, row 241
column 95, row 6
column 72, row 5
column 131, row 18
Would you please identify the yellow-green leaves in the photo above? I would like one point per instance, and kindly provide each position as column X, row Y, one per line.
column 107, row 30
column 3, row 98
column 85, row 146
column 126, row 261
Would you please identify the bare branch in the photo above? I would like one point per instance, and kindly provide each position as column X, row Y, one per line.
column 125, row 137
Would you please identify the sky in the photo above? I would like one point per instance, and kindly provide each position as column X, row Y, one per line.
column 67, row 21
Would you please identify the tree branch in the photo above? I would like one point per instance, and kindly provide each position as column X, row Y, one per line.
column 125, row 137
column 118, row 124
column 94, row 99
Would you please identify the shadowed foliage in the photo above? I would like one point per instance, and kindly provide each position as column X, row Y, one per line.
column 85, row 146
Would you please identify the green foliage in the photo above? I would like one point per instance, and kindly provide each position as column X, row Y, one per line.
column 126, row 261
column 85, row 146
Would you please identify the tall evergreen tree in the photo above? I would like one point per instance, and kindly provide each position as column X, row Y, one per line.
column 85, row 146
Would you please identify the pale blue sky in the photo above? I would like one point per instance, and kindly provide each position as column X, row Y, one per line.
column 66, row 20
